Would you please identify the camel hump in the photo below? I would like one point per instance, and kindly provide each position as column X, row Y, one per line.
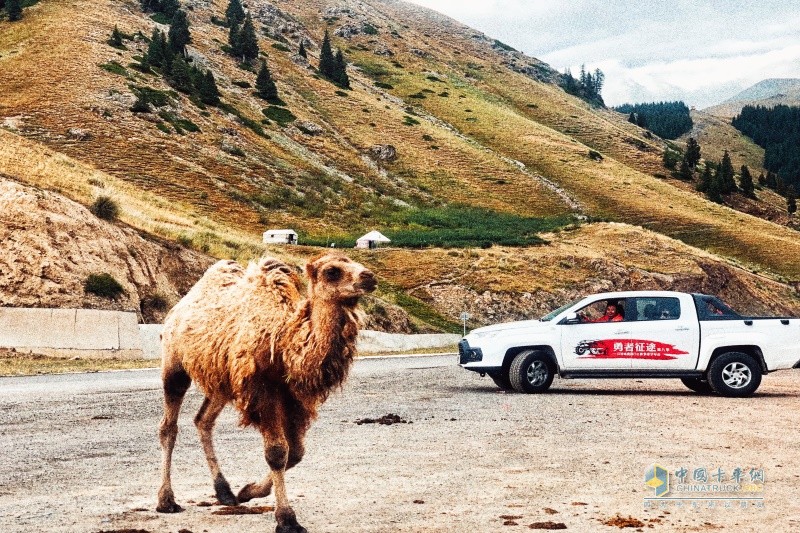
column 268, row 264
column 223, row 273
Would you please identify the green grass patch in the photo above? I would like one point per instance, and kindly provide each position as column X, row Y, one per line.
column 468, row 227
column 115, row 68
column 282, row 47
column 382, row 85
column 161, row 18
column 152, row 96
column 243, row 84
column 408, row 120
column 281, row 115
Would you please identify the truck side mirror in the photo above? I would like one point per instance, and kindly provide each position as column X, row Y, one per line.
column 572, row 318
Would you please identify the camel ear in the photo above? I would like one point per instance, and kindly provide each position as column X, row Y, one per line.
column 311, row 271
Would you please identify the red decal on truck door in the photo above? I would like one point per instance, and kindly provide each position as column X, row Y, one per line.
column 627, row 349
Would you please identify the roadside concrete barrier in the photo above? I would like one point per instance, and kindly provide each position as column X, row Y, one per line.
column 379, row 342
column 92, row 333
column 89, row 333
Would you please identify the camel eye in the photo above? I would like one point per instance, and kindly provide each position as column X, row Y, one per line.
column 332, row 274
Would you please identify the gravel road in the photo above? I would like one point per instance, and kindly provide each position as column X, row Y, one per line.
column 80, row 454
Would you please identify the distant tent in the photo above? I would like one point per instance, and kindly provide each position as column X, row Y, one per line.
column 280, row 236
column 371, row 240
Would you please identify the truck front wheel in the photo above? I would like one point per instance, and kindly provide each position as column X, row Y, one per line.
column 531, row 371
column 734, row 374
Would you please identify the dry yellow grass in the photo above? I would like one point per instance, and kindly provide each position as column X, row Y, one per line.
column 491, row 118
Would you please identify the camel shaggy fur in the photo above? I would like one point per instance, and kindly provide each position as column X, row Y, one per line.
column 249, row 338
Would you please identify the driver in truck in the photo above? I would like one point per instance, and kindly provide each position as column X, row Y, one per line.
column 613, row 313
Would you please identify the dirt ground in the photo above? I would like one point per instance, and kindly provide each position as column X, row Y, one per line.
column 80, row 454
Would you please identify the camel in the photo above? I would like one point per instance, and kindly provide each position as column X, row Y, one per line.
column 249, row 338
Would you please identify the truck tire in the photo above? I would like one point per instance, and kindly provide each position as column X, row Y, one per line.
column 501, row 379
column 734, row 374
column 531, row 371
column 698, row 385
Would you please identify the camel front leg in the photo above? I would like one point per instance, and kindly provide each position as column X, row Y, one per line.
column 204, row 420
column 276, row 451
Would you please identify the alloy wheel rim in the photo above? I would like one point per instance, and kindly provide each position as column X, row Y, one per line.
column 736, row 375
column 537, row 373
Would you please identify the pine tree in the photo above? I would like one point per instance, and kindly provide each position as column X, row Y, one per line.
column 142, row 104
column 302, row 51
column 641, row 121
column 116, row 38
column 179, row 35
column 234, row 14
column 181, row 76
column 265, row 87
column 791, row 200
column 705, row 180
column 632, row 118
column 762, row 180
column 248, row 42
column 715, row 187
column 685, row 173
column 155, row 50
column 692, row 152
column 726, row 172
column 2, row 4
column 233, row 40
column 14, row 10
column 327, row 63
column 746, row 183
column 341, row 76
column 772, row 180
column 169, row 7
column 209, row 94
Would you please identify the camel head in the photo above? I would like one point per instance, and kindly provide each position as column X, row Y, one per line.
column 337, row 278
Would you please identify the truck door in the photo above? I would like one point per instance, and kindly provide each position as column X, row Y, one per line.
column 587, row 344
column 664, row 335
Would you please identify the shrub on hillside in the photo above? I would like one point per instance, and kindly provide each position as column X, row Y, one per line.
column 103, row 285
column 105, row 207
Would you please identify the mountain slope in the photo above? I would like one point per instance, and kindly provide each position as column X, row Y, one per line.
column 472, row 123
column 767, row 93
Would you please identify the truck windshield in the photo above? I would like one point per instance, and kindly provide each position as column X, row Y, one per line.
column 552, row 314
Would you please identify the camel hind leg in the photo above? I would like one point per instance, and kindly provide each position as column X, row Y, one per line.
column 176, row 382
column 205, row 420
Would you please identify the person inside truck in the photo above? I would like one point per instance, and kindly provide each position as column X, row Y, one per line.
column 614, row 313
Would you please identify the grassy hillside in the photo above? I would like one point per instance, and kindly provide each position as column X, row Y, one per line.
column 473, row 123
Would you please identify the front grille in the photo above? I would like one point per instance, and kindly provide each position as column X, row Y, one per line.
column 467, row 354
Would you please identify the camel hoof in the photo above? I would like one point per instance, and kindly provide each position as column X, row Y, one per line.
column 291, row 528
column 251, row 491
column 287, row 523
column 224, row 494
column 169, row 507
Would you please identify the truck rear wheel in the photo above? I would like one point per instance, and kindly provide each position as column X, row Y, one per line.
column 531, row 371
column 734, row 374
column 698, row 385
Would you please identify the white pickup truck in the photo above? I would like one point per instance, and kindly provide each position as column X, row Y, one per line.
column 642, row 334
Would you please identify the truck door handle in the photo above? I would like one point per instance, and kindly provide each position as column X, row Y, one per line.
column 682, row 329
column 621, row 332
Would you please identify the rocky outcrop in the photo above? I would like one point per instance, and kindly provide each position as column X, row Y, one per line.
column 49, row 245
column 383, row 152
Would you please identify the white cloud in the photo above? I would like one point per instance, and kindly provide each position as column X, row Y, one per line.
column 649, row 50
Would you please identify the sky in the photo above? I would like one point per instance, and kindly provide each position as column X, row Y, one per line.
column 701, row 52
